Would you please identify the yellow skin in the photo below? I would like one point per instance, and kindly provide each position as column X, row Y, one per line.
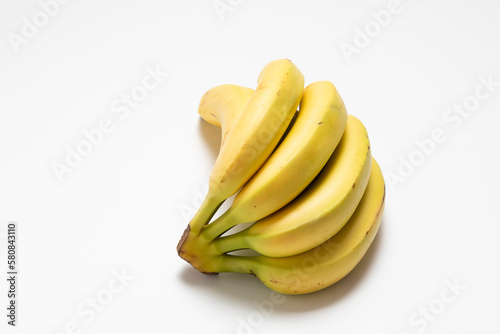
column 302, row 154
column 254, row 136
column 223, row 105
column 327, row 263
column 318, row 212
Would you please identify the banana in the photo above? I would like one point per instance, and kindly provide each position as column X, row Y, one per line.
column 254, row 136
column 223, row 105
column 304, row 151
column 320, row 211
column 327, row 263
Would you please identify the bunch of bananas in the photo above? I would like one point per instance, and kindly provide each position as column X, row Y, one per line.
column 305, row 179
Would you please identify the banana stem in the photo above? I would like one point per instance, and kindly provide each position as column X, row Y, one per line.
column 229, row 243
column 219, row 226
column 237, row 264
column 206, row 211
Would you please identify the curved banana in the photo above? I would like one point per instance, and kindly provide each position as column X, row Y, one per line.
column 320, row 211
column 327, row 263
column 254, row 136
column 302, row 154
column 223, row 105
column 251, row 141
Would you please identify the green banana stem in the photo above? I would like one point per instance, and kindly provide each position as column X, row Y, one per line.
column 193, row 247
column 220, row 225
column 229, row 243
column 206, row 211
column 237, row 264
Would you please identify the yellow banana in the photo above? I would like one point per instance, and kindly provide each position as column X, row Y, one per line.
column 255, row 134
column 223, row 105
column 302, row 154
column 320, row 211
column 327, row 263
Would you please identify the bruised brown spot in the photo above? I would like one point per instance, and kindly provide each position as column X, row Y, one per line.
column 273, row 281
column 251, row 272
column 320, row 123
column 354, row 185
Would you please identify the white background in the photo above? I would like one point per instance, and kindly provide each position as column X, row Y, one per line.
column 123, row 208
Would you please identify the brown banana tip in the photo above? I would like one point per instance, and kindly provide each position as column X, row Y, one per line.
column 183, row 239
